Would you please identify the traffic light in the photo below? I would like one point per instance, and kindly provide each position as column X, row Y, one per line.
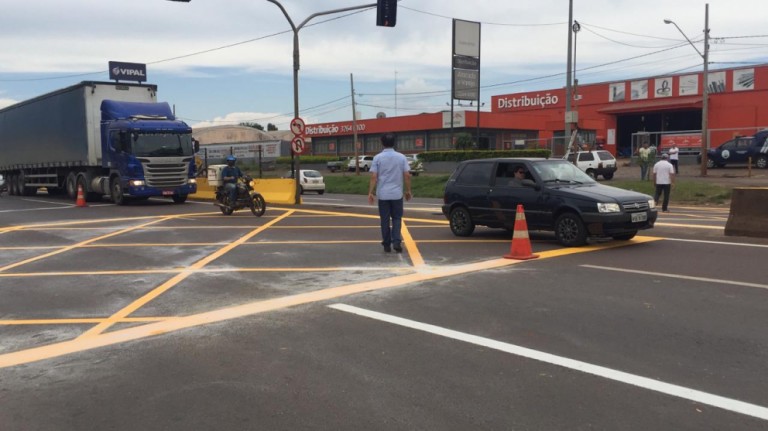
column 386, row 13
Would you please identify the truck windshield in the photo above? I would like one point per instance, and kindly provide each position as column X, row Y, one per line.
column 162, row 145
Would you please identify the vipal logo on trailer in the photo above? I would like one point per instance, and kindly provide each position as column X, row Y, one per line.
column 120, row 71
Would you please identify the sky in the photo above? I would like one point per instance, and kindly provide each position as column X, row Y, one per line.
column 227, row 62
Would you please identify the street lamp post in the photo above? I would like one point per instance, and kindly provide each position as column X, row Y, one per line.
column 705, row 86
column 296, row 67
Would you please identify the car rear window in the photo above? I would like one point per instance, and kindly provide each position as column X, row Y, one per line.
column 312, row 174
column 605, row 155
column 475, row 174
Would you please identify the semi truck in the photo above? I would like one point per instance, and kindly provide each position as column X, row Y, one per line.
column 103, row 138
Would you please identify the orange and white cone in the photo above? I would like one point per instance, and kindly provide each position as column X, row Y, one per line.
column 80, row 198
column 521, row 243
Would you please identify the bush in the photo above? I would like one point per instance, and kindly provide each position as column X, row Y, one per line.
column 459, row 156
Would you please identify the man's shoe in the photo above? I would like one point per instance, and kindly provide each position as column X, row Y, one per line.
column 398, row 248
column 387, row 249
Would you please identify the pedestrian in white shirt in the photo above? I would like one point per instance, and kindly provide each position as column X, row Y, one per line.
column 674, row 154
column 663, row 178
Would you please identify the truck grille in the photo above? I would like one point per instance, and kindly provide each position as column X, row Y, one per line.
column 165, row 175
column 635, row 206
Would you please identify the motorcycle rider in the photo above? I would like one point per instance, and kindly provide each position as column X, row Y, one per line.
column 230, row 175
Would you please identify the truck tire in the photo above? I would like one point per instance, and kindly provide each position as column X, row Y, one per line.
column 179, row 199
column 12, row 185
column 71, row 185
column 116, row 191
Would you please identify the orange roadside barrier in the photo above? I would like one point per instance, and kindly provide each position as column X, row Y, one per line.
column 80, row 198
column 521, row 244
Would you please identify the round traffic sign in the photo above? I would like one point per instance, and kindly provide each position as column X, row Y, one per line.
column 297, row 126
column 297, row 145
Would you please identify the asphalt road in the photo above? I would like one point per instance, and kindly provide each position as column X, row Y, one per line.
column 157, row 316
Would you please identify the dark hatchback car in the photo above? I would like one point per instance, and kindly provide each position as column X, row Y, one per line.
column 555, row 195
column 740, row 150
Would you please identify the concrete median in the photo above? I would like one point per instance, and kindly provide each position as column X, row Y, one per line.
column 274, row 191
column 749, row 207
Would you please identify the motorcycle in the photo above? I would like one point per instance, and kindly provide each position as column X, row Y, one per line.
column 247, row 197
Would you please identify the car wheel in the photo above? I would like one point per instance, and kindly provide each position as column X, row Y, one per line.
column 320, row 192
column 570, row 230
column 625, row 236
column 762, row 162
column 461, row 222
column 710, row 163
column 591, row 174
column 608, row 176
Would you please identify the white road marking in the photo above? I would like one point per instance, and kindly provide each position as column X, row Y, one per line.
column 738, row 244
column 681, row 277
column 608, row 373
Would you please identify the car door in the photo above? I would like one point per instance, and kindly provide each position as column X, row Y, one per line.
column 505, row 195
column 724, row 152
column 741, row 150
column 471, row 189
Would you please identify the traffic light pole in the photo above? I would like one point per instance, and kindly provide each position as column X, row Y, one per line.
column 296, row 66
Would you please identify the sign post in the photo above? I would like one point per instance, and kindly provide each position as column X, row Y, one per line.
column 297, row 147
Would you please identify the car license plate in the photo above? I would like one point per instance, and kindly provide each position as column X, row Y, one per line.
column 167, row 192
column 638, row 217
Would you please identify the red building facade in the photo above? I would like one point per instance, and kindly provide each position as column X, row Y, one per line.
column 616, row 114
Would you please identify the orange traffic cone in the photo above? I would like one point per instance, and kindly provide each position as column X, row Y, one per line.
column 80, row 198
column 521, row 244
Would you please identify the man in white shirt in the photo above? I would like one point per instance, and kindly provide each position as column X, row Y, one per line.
column 390, row 173
column 664, row 179
column 674, row 155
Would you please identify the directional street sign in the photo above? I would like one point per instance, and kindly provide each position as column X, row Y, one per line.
column 297, row 126
column 297, row 145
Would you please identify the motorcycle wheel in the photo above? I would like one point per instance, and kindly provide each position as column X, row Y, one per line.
column 226, row 210
column 258, row 206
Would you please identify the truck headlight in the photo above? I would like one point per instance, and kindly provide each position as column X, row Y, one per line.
column 192, row 181
column 651, row 204
column 136, row 183
column 608, row 207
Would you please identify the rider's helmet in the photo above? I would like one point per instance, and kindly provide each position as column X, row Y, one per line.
column 231, row 160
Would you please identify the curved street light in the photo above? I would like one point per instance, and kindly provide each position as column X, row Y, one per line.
column 705, row 86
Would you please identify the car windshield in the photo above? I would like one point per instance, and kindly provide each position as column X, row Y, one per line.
column 560, row 171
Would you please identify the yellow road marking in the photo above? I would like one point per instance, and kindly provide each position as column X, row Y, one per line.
column 411, row 246
column 153, row 329
column 72, row 247
column 206, row 270
column 186, row 272
column 83, row 320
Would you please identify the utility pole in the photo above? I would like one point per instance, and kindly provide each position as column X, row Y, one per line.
column 568, row 76
column 354, row 125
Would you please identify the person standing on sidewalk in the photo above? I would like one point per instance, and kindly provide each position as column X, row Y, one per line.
column 674, row 156
column 389, row 173
column 663, row 179
column 644, row 159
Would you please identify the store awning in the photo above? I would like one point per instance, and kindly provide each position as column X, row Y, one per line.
column 673, row 103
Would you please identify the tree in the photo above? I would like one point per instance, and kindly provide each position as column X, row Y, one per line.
column 254, row 125
column 464, row 141
column 271, row 127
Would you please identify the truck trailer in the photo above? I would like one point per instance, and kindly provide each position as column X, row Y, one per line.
column 105, row 138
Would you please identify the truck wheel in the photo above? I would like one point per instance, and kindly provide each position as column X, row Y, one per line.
column 71, row 185
column 179, row 199
column 12, row 185
column 762, row 162
column 461, row 222
column 117, row 192
column 570, row 230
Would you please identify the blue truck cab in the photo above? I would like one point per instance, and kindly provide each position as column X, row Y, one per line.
column 147, row 151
